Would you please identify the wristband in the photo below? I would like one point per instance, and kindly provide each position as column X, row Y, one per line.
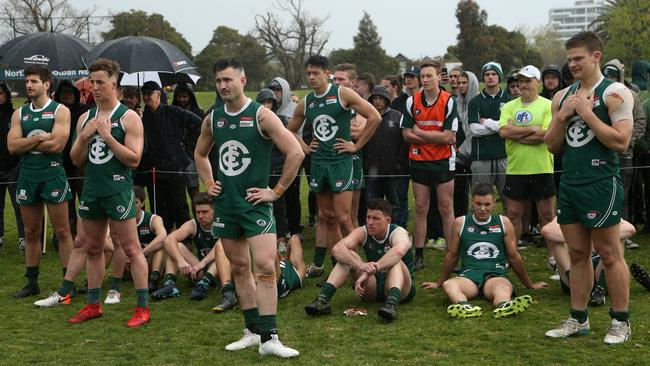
column 279, row 189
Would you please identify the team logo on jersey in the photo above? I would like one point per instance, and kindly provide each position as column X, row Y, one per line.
column 27, row 117
column 330, row 100
column 325, row 127
column 246, row 122
column 234, row 158
column 471, row 229
column 233, row 126
column 312, row 105
column 313, row 183
column 614, row 213
column 578, row 133
column 339, row 183
column 483, row 250
column 598, row 162
column 22, row 195
column 596, row 101
column 144, row 231
column 47, row 115
column 118, row 178
column 55, row 193
column 592, row 214
column 221, row 122
column 391, row 124
column 33, row 133
column 261, row 222
column 120, row 209
column 523, row 117
column 98, row 151
column 217, row 223
column 495, row 229
column 321, row 105
column 417, row 111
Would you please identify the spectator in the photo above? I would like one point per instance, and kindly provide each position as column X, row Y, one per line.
column 165, row 128
column 640, row 70
column 552, row 81
column 8, row 166
column 513, row 84
column 567, row 76
column 411, row 86
column 467, row 89
column 453, row 80
column 386, row 160
column 393, row 86
column 131, row 99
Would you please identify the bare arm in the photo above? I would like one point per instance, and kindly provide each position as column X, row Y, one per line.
column 401, row 243
column 357, row 126
column 345, row 250
column 16, row 143
column 555, row 135
column 130, row 152
column 159, row 241
column 516, row 262
column 445, row 137
column 79, row 150
column 351, row 99
column 619, row 104
column 188, row 229
column 409, row 136
column 60, row 132
column 295, row 122
column 202, row 151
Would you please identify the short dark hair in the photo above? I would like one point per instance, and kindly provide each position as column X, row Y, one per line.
column 367, row 78
column 590, row 40
column 318, row 61
column 41, row 71
column 130, row 92
column 224, row 63
column 482, row 189
column 349, row 68
column 395, row 81
column 380, row 204
column 202, row 198
column 139, row 193
column 434, row 64
column 112, row 68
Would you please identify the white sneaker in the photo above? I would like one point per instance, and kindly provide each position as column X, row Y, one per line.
column 274, row 347
column 113, row 297
column 618, row 332
column 555, row 276
column 249, row 339
column 53, row 300
column 569, row 327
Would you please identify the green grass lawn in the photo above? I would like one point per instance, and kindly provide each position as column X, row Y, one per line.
column 185, row 332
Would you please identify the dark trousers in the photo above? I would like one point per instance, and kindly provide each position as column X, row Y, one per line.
column 312, row 204
column 75, row 179
column 461, row 189
column 294, row 207
column 391, row 189
column 171, row 202
column 626, row 179
column 6, row 177
column 279, row 207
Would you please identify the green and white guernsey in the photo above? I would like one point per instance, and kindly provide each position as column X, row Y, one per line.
column 105, row 175
column 36, row 166
column 374, row 248
column 330, row 120
column 145, row 232
column 585, row 158
column 482, row 246
column 238, row 138
column 203, row 239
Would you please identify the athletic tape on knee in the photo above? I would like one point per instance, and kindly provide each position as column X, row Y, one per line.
column 266, row 277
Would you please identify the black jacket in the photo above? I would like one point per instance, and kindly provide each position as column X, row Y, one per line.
column 7, row 161
column 386, row 153
column 76, row 110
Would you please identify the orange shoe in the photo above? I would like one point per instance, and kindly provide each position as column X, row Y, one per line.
column 90, row 311
column 141, row 317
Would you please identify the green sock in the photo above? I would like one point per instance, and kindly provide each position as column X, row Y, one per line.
column 268, row 326
column 169, row 279
column 141, row 296
column 116, row 283
column 319, row 255
column 66, row 288
column 333, row 260
column 228, row 287
column 155, row 275
column 621, row 316
column 252, row 320
column 579, row 315
column 94, row 295
column 32, row 276
column 208, row 279
column 327, row 291
column 393, row 295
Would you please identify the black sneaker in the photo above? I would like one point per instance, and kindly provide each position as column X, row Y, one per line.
column 318, row 307
column 153, row 284
column 640, row 275
column 166, row 292
column 598, row 295
column 419, row 264
column 228, row 301
column 199, row 293
column 388, row 311
column 27, row 291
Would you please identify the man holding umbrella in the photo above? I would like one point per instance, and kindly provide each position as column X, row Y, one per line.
column 109, row 143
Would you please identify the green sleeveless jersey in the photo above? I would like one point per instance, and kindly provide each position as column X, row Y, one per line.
column 105, row 175
column 244, row 155
column 374, row 248
column 34, row 165
column 482, row 246
column 145, row 231
column 585, row 158
column 330, row 120
column 203, row 240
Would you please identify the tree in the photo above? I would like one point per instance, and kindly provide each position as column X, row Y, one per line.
column 367, row 54
column 228, row 42
column 291, row 45
column 30, row 16
column 139, row 23
column 624, row 28
column 546, row 41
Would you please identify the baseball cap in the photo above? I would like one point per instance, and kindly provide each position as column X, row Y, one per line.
column 530, row 71
column 412, row 70
column 150, row 86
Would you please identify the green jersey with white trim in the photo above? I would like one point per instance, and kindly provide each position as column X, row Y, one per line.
column 374, row 248
column 145, row 232
column 482, row 245
column 203, row 239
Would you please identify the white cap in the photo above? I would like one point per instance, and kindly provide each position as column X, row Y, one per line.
column 531, row 72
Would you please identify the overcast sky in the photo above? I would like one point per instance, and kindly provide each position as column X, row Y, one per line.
column 413, row 27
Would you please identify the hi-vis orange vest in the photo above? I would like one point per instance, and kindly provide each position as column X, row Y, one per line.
column 430, row 118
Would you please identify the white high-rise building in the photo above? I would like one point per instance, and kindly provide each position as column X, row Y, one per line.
column 572, row 20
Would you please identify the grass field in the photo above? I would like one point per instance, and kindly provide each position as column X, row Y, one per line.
column 183, row 332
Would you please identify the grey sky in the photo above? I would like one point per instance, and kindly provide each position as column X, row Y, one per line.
column 414, row 28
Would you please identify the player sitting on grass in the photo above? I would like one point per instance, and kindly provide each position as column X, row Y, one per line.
column 387, row 275
column 486, row 246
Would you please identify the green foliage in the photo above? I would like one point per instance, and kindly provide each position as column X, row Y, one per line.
column 140, row 23
column 624, row 28
column 367, row 54
column 546, row 41
column 228, row 42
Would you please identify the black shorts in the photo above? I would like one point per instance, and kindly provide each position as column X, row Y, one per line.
column 431, row 178
column 530, row 186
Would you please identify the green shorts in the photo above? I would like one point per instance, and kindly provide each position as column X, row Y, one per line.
column 595, row 204
column 289, row 279
column 381, row 285
column 118, row 207
column 358, row 182
column 336, row 177
column 480, row 276
column 55, row 190
column 234, row 225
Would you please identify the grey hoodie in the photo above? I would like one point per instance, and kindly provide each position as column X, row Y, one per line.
column 462, row 103
column 287, row 106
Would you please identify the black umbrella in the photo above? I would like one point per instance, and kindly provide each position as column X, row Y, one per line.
column 61, row 53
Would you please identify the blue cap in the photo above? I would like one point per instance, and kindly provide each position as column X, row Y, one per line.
column 412, row 70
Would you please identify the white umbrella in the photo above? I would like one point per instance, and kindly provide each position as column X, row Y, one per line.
column 139, row 78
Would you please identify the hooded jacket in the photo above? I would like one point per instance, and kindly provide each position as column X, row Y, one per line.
column 551, row 69
column 285, row 106
column 640, row 71
column 76, row 110
column 639, row 123
column 277, row 157
column 462, row 103
column 7, row 161
column 194, row 106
